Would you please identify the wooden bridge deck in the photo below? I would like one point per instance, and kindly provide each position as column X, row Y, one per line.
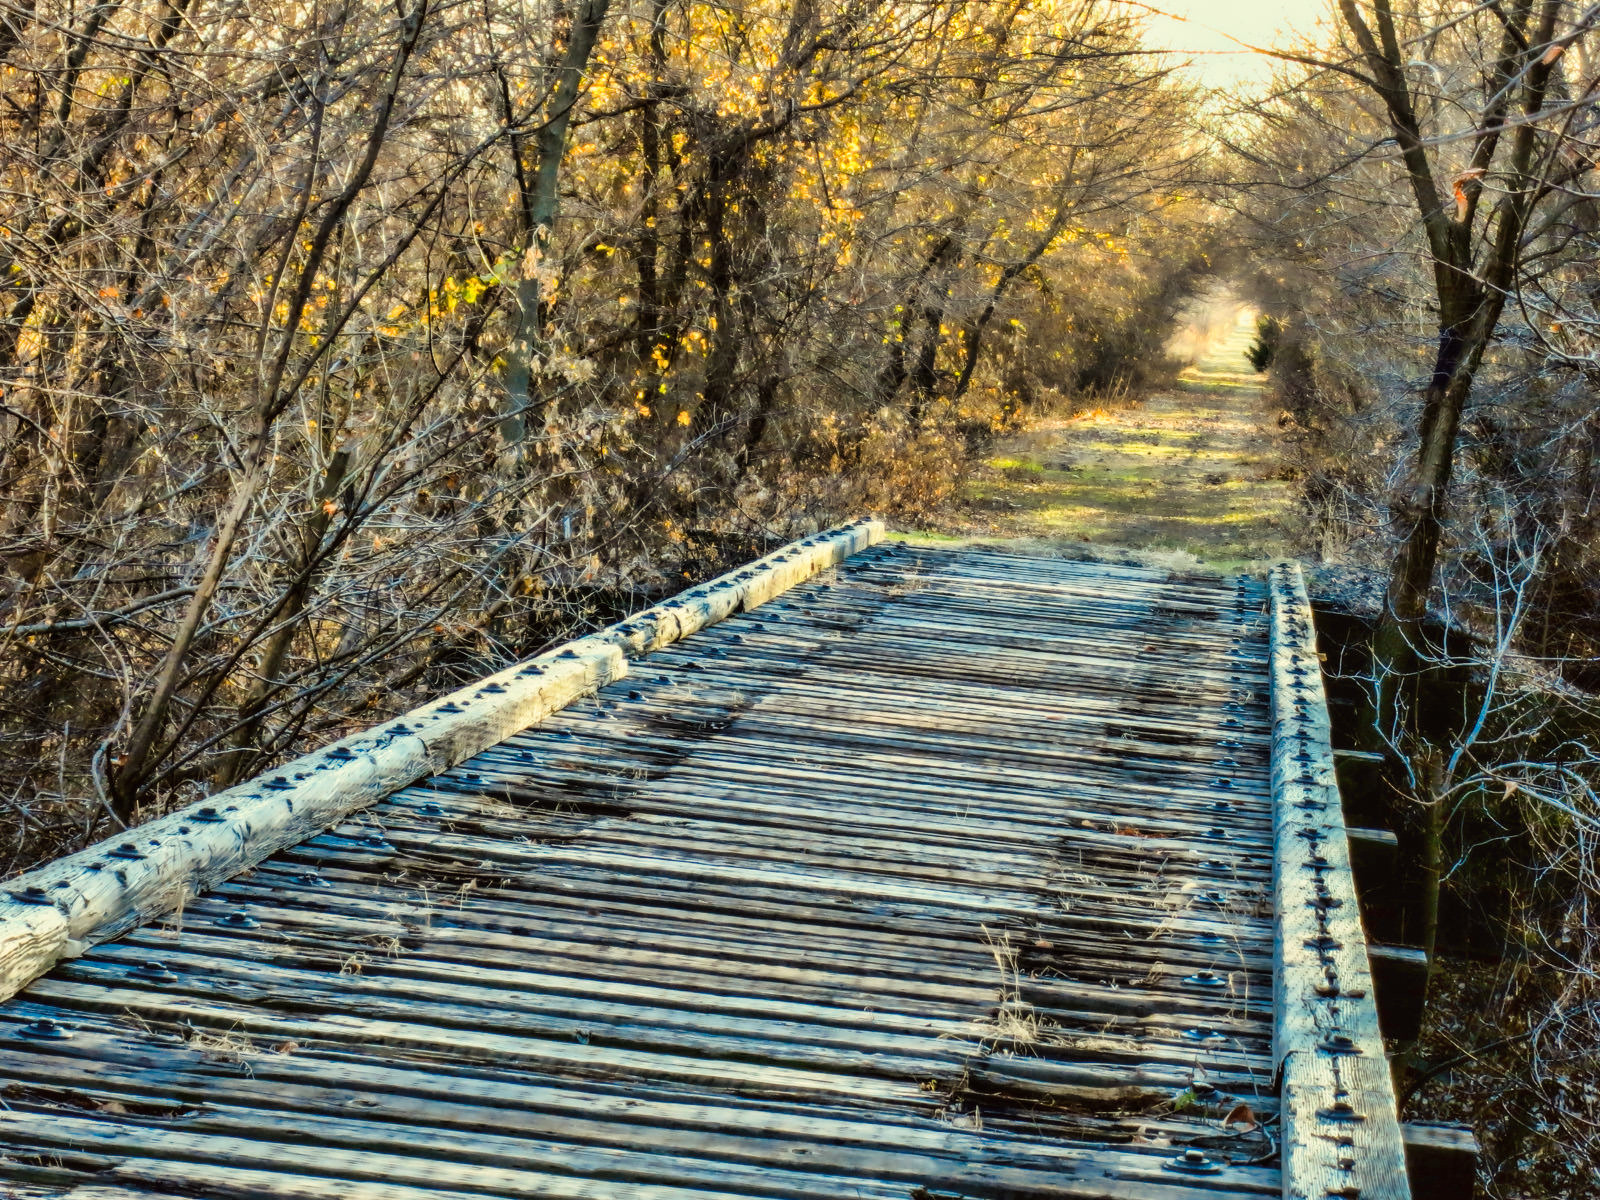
column 944, row 874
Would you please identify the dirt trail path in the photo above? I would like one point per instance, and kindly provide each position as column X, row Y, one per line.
column 1193, row 470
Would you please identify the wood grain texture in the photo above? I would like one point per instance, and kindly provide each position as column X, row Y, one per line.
column 59, row 910
column 1341, row 1135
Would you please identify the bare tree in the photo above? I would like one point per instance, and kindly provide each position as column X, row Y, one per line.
column 346, row 353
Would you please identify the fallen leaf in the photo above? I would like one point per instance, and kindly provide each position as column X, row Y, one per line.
column 1241, row 1114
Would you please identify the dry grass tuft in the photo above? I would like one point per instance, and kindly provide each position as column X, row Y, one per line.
column 1014, row 1023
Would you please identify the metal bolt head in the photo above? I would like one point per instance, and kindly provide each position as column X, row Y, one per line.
column 45, row 1029
column 1193, row 1162
column 1340, row 1111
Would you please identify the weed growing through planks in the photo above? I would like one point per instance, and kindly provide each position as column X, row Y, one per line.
column 138, row 1021
column 499, row 808
column 172, row 927
column 971, row 1120
column 385, row 943
column 425, row 898
column 953, row 1111
column 1014, row 1023
column 912, row 581
column 227, row 1046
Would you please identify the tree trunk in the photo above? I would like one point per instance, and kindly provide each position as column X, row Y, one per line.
column 1419, row 509
column 526, row 349
column 894, row 372
column 723, row 357
column 301, row 573
column 647, row 254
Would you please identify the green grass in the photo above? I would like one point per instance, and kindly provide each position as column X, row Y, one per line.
column 1191, row 473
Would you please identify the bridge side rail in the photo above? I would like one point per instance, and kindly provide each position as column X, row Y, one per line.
column 1341, row 1133
column 61, row 909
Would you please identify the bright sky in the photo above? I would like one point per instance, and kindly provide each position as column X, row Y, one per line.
column 1204, row 31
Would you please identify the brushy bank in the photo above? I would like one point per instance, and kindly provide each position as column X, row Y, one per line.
column 398, row 342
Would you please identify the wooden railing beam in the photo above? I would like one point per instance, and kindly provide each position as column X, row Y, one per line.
column 1340, row 1130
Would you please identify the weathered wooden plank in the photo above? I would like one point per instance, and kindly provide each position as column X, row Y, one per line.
column 565, row 1120
column 1400, row 986
column 169, row 1152
column 1373, row 854
column 736, row 905
column 765, row 796
column 743, row 969
column 769, row 1069
column 927, row 772
column 652, row 1016
column 85, row 898
column 1442, row 1160
column 1341, row 1131
column 172, row 1156
column 307, row 1079
column 764, row 945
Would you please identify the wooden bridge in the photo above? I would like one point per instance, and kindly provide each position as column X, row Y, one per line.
column 866, row 871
